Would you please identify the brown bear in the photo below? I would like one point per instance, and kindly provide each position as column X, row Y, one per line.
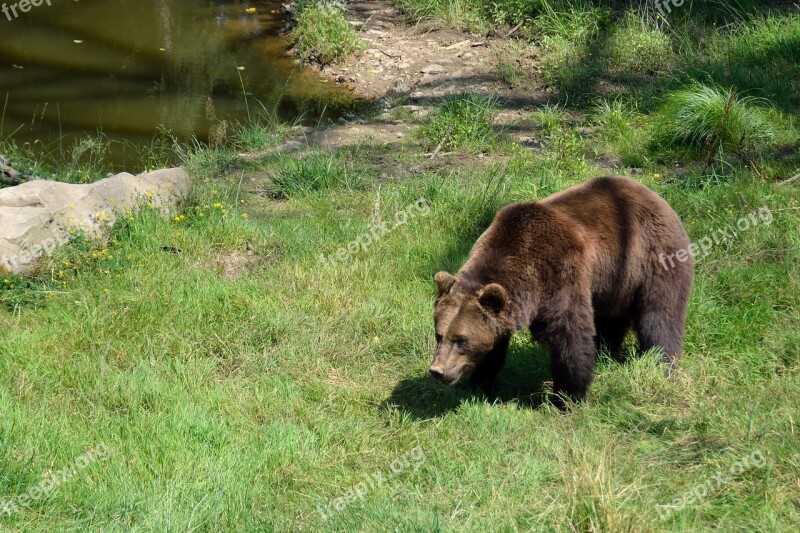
column 578, row 269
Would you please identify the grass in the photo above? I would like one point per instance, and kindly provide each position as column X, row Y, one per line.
column 637, row 48
column 254, row 400
column 259, row 133
column 322, row 33
column 715, row 120
column 509, row 65
column 294, row 176
column 241, row 383
column 464, row 14
column 551, row 118
column 462, row 120
column 623, row 132
column 86, row 159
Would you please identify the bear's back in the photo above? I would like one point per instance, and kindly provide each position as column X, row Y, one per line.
column 625, row 227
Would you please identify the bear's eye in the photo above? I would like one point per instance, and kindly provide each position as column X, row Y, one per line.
column 460, row 341
column 438, row 339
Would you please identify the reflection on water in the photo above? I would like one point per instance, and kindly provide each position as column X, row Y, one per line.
column 127, row 66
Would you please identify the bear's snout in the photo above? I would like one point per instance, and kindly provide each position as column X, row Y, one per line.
column 449, row 374
column 437, row 372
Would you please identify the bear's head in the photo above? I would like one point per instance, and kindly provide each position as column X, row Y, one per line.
column 470, row 321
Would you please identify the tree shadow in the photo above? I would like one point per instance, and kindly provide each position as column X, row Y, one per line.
column 522, row 381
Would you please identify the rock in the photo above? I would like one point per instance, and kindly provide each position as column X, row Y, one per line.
column 38, row 216
column 457, row 45
column 293, row 145
column 433, row 69
column 417, row 110
column 531, row 143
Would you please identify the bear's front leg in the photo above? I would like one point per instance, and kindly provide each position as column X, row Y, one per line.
column 485, row 374
column 573, row 370
column 570, row 337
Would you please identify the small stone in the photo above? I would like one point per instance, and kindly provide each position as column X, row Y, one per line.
column 457, row 45
column 433, row 68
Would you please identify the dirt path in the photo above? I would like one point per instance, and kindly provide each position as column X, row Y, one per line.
column 424, row 61
column 408, row 67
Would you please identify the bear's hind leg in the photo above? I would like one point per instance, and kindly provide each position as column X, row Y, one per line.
column 658, row 326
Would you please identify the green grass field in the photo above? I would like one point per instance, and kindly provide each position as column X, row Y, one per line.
column 240, row 384
column 212, row 372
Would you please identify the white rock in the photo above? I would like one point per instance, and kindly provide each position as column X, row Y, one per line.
column 38, row 216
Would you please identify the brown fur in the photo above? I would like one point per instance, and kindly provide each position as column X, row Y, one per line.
column 578, row 269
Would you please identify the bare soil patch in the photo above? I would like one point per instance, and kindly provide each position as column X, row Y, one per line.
column 409, row 66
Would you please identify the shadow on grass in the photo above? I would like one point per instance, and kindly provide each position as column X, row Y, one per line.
column 522, row 381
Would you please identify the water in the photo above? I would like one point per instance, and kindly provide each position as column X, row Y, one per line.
column 127, row 67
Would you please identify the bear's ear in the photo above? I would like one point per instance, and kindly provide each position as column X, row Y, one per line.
column 493, row 297
column 444, row 281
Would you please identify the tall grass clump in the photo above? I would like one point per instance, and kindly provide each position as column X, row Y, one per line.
column 636, row 48
column 322, row 33
column 568, row 36
column 715, row 120
column 264, row 131
column 479, row 14
column 551, row 119
column 462, row 121
column 613, row 116
column 464, row 14
column 295, row 177
column 620, row 127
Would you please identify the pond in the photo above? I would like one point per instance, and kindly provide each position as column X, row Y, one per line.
column 128, row 68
